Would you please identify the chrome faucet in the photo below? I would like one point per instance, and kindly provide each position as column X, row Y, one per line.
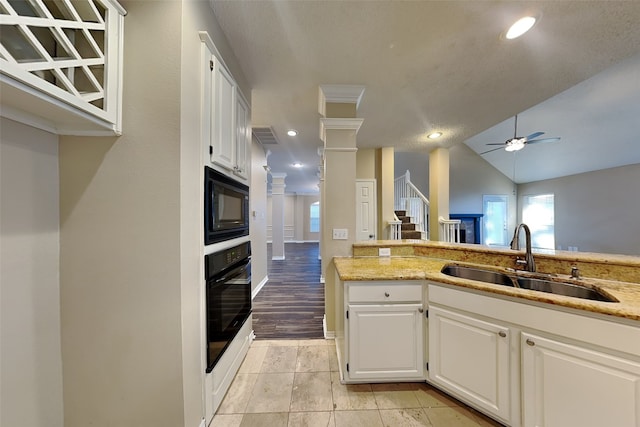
column 528, row 262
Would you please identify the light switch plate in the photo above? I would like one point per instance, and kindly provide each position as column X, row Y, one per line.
column 384, row 251
column 340, row 234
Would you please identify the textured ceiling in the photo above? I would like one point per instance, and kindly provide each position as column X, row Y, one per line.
column 426, row 65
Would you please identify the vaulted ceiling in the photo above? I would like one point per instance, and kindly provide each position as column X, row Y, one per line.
column 445, row 66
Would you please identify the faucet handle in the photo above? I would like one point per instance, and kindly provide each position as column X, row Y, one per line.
column 575, row 272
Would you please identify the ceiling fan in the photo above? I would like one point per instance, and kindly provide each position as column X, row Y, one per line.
column 518, row 142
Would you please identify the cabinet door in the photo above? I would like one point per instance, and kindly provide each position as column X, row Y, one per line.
column 471, row 359
column 243, row 138
column 223, row 109
column 385, row 342
column 567, row 385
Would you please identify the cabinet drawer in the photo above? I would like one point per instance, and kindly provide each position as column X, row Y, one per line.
column 385, row 292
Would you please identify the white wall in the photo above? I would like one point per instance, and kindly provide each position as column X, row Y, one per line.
column 30, row 351
column 595, row 211
column 296, row 217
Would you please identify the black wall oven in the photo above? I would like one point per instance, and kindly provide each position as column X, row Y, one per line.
column 226, row 207
column 228, row 297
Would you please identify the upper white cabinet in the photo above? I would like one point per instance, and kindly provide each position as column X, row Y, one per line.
column 61, row 65
column 243, row 137
column 570, row 384
column 225, row 114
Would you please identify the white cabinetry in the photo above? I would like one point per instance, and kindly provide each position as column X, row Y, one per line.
column 383, row 331
column 243, row 137
column 565, row 384
column 226, row 116
column 471, row 359
column 61, row 65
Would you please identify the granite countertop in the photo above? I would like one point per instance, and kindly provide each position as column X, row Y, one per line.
column 427, row 268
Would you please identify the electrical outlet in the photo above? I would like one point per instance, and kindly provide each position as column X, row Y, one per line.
column 384, row 251
column 340, row 234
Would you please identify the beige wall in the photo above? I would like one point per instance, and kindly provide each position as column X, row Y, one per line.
column 595, row 211
column 366, row 163
column 258, row 208
column 131, row 234
column 296, row 217
column 30, row 349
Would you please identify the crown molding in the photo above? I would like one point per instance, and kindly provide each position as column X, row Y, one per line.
column 338, row 124
column 340, row 94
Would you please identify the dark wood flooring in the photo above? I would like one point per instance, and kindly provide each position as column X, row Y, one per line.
column 291, row 303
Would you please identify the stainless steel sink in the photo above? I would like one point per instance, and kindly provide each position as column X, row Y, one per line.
column 562, row 288
column 531, row 283
column 470, row 273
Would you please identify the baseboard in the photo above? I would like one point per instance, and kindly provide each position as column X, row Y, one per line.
column 203, row 423
column 258, row 288
column 278, row 258
column 328, row 335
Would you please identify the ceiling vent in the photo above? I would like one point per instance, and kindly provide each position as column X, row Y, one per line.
column 265, row 135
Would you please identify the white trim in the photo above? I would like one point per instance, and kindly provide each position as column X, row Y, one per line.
column 203, row 423
column 278, row 258
column 328, row 335
column 322, row 278
column 258, row 288
column 341, row 149
column 341, row 94
column 338, row 124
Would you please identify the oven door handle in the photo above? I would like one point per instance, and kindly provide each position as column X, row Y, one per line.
column 236, row 272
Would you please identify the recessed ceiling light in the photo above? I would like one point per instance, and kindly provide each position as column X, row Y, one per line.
column 292, row 132
column 297, row 165
column 521, row 26
column 434, row 135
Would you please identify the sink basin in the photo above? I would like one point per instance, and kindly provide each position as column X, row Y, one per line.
column 531, row 283
column 562, row 288
column 470, row 273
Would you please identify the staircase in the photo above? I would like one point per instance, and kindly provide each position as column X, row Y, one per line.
column 407, row 228
column 412, row 211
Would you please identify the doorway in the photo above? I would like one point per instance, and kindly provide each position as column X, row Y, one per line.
column 495, row 209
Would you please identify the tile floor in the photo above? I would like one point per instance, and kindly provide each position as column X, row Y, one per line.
column 296, row 383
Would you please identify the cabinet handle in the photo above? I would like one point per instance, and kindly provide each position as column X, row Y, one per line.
column 530, row 342
column 386, row 294
column 502, row 334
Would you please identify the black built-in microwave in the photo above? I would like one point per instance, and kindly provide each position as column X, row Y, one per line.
column 226, row 207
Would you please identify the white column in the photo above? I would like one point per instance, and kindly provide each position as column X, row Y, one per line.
column 338, row 130
column 277, row 215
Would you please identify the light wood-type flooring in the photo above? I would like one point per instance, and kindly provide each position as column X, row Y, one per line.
column 291, row 304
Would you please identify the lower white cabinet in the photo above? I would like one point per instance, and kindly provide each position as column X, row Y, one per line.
column 385, row 342
column 570, row 385
column 471, row 359
column 383, row 331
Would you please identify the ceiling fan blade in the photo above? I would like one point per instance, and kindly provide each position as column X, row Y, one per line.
column 497, row 143
column 534, row 135
column 495, row 149
column 535, row 141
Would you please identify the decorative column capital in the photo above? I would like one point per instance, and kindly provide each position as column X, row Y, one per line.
column 338, row 124
column 341, row 94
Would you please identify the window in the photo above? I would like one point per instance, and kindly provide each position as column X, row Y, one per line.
column 495, row 212
column 538, row 214
column 314, row 217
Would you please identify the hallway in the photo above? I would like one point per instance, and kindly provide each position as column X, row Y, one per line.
column 291, row 303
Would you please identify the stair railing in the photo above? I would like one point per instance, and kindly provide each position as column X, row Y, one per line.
column 450, row 230
column 408, row 198
column 395, row 228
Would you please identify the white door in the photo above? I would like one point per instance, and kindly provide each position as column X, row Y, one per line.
column 366, row 210
column 567, row 385
column 495, row 220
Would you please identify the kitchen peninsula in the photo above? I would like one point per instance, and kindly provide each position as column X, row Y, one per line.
column 521, row 356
